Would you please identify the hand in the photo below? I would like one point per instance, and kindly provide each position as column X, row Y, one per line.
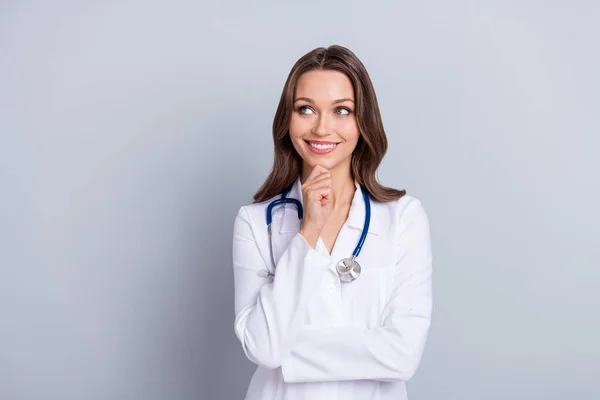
column 316, row 198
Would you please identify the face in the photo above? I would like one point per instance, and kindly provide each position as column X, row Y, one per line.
column 323, row 127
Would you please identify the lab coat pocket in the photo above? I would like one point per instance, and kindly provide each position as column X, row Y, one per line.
column 364, row 298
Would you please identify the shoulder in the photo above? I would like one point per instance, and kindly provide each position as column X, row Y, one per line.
column 406, row 203
column 254, row 213
column 404, row 211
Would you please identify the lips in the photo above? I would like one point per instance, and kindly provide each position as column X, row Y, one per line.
column 321, row 147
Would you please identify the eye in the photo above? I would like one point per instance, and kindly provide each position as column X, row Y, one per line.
column 302, row 109
column 342, row 111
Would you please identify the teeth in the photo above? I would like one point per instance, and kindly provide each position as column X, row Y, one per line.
column 323, row 146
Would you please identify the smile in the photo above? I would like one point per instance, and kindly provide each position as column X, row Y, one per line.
column 319, row 147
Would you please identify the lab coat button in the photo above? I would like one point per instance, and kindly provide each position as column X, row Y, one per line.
column 331, row 288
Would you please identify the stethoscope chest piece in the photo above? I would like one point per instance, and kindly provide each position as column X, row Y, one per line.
column 348, row 269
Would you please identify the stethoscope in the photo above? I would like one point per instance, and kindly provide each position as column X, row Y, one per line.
column 348, row 269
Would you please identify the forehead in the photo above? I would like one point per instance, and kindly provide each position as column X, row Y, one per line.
column 324, row 85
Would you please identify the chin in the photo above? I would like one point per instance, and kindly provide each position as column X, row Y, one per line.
column 324, row 162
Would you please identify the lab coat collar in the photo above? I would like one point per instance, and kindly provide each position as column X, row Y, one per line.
column 356, row 216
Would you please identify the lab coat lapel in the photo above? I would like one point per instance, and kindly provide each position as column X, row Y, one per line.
column 290, row 222
column 357, row 214
column 286, row 223
column 350, row 232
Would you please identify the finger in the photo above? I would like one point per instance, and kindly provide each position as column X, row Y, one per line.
column 318, row 190
column 324, row 196
column 314, row 172
column 323, row 182
column 317, row 170
column 318, row 178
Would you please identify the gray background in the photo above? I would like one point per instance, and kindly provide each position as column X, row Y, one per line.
column 132, row 131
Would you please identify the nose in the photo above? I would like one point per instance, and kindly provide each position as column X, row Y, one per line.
column 322, row 126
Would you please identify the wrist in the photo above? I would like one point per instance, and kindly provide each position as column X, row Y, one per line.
column 310, row 235
column 309, row 227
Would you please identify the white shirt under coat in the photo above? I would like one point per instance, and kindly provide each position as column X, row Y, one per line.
column 315, row 337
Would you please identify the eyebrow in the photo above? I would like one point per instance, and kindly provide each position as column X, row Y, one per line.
column 334, row 102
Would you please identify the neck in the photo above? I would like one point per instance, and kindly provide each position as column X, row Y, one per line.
column 343, row 186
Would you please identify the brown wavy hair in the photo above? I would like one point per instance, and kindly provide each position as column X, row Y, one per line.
column 372, row 143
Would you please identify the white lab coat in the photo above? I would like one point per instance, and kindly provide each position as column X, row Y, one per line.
column 315, row 337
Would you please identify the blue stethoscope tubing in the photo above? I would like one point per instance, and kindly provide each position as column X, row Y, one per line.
column 348, row 268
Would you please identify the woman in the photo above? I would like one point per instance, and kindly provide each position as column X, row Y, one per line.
column 317, row 331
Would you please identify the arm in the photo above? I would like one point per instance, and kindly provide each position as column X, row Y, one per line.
column 269, row 314
column 386, row 353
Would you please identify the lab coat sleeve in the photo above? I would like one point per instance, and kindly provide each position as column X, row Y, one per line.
column 388, row 352
column 269, row 312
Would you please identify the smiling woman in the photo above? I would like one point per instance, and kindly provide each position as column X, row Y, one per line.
column 348, row 311
column 328, row 91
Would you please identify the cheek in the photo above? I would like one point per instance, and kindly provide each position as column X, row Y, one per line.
column 296, row 139
column 349, row 131
column 297, row 128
